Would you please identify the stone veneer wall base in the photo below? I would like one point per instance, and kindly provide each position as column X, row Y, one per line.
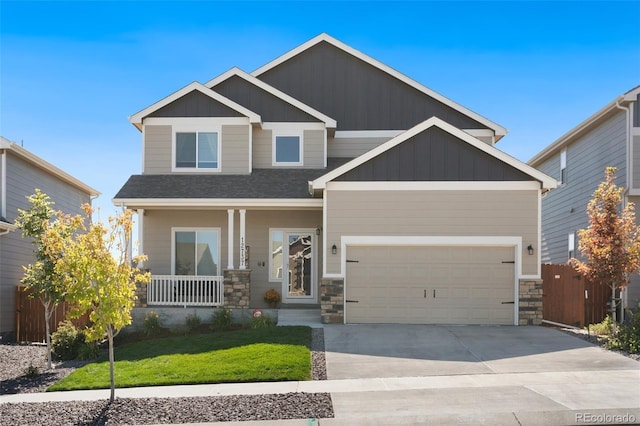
column 530, row 302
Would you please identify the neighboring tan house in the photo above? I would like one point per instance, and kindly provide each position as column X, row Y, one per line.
column 21, row 172
column 578, row 159
column 392, row 200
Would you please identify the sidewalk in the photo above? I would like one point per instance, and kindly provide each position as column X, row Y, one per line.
column 549, row 398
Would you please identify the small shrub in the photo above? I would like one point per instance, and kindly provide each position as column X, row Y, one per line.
column 89, row 351
column 193, row 322
column 66, row 341
column 604, row 328
column 221, row 319
column 627, row 336
column 31, row 371
column 151, row 324
column 261, row 321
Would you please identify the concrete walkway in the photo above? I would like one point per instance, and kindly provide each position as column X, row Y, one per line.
column 482, row 375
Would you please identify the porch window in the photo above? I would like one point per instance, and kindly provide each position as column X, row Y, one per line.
column 197, row 150
column 275, row 266
column 196, row 252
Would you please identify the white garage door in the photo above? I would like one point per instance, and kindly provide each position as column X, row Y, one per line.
column 430, row 285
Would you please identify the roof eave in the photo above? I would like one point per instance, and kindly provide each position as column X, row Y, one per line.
column 584, row 126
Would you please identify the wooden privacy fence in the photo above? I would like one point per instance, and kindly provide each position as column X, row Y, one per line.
column 30, row 326
column 568, row 298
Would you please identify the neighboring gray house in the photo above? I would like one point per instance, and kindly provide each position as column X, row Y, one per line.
column 342, row 183
column 21, row 172
column 610, row 137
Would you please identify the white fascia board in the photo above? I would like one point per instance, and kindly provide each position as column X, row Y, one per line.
column 547, row 182
column 584, row 126
column 315, row 203
column 48, row 167
column 137, row 118
column 328, row 121
column 435, row 186
column 499, row 130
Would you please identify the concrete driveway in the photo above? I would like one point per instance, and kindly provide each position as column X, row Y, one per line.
column 498, row 375
column 364, row 351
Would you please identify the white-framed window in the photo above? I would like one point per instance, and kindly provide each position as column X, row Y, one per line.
column 563, row 166
column 196, row 150
column 571, row 245
column 195, row 251
column 287, row 148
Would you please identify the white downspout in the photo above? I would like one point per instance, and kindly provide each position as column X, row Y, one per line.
column 629, row 186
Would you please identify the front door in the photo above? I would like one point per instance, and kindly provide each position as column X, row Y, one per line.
column 298, row 281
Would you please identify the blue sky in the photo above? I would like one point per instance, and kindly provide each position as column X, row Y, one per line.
column 72, row 72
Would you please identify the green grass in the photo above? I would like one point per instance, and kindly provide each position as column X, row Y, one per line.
column 259, row 355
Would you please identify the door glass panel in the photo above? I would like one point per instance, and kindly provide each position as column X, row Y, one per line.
column 276, row 255
column 299, row 265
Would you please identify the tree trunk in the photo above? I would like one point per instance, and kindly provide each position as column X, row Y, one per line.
column 47, row 329
column 111, row 365
column 613, row 305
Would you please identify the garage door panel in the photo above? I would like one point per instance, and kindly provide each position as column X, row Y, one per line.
column 396, row 284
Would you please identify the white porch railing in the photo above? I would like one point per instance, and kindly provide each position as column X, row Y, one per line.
column 185, row 290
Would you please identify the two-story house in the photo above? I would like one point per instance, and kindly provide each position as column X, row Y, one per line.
column 21, row 172
column 578, row 159
column 344, row 185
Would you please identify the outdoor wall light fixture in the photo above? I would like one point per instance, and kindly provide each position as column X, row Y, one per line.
column 334, row 249
column 530, row 249
column 318, row 230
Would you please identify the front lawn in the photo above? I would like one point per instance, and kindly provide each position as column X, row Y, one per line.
column 248, row 355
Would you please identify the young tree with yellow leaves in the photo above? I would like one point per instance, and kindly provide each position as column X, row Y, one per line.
column 611, row 243
column 40, row 276
column 98, row 277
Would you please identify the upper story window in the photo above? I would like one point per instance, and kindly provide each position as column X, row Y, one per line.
column 563, row 166
column 287, row 148
column 197, row 151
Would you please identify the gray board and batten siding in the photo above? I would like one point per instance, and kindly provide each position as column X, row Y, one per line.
column 362, row 97
column 564, row 208
column 434, row 155
column 269, row 107
column 195, row 104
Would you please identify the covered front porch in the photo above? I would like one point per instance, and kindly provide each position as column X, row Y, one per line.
column 213, row 257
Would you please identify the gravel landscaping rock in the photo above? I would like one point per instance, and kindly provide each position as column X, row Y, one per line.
column 170, row 410
column 597, row 340
column 15, row 359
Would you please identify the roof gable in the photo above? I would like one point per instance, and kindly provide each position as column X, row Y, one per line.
column 194, row 100
column 365, row 93
column 272, row 104
column 434, row 155
column 445, row 152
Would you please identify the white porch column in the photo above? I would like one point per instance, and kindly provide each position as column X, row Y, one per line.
column 230, row 213
column 140, row 239
column 243, row 257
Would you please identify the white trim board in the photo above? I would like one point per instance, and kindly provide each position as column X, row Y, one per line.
column 499, row 130
column 434, row 186
column 217, row 203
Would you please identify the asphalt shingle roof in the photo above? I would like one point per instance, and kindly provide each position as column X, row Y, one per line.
column 262, row 183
